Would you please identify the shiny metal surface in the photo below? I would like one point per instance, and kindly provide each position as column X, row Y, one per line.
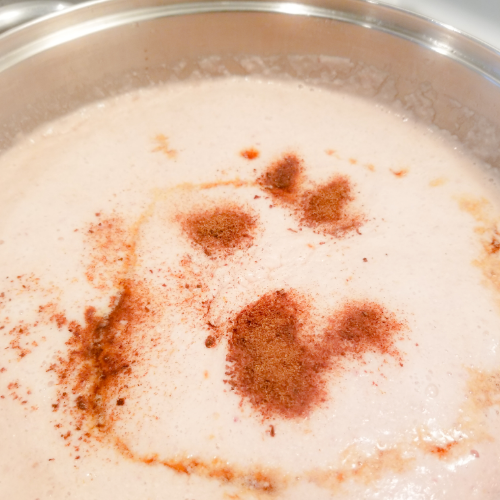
column 108, row 14
column 479, row 18
column 97, row 49
column 21, row 12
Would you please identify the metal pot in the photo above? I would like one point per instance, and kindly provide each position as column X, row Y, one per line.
column 52, row 66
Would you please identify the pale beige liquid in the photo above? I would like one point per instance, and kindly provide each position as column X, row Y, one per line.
column 424, row 430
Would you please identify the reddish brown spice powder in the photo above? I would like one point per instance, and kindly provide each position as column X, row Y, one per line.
column 101, row 353
column 326, row 206
column 112, row 250
column 19, row 342
column 282, row 178
column 493, row 246
column 400, row 173
column 250, row 153
column 254, row 479
column 220, row 231
column 279, row 368
column 210, row 341
column 270, row 362
column 441, row 452
column 273, row 361
column 361, row 327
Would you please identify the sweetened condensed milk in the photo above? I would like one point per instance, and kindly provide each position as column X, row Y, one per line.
column 248, row 289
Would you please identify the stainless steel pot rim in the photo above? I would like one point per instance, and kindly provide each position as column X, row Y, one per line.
column 19, row 13
column 25, row 41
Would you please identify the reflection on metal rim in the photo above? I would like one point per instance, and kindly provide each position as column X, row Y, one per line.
column 22, row 12
column 425, row 32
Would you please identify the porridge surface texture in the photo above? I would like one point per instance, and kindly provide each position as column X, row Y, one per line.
column 247, row 289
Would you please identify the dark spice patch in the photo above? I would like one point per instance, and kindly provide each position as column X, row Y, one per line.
column 271, row 362
column 493, row 246
column 282, row 179
column 81, row 403
column 210, row 341
column 326, row 207
column 101, row 353
column 279, row 367
column 220, row 231
column 327, row 203
column 361, row 327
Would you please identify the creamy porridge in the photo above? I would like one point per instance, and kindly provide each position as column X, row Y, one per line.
column 243, row 288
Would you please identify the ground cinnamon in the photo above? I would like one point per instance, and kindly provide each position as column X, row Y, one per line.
column 279, row 367
column 326, row 207
column 282, row 178
column 221, row 230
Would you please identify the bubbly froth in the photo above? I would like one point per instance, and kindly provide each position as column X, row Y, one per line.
column 246, row 289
